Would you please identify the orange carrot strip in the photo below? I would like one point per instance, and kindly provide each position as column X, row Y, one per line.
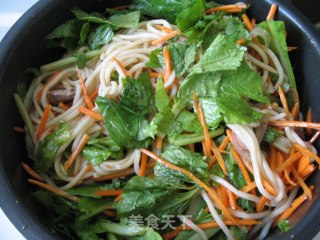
column 208, row 225
column 110, row 213
column 19, row 130
column 39, row 94
column 314, row 137
column 295, row 111
column 295, row 124
column 309, row 119
column 273, row 156
column 293, row 158
column 232, row 201
column 125, row 71
column 159, row 142
column 241, row 166
column 44, row 119
column 85, row 95
column 203, row 122
column 261, row 203
column 143, row 167
column 249, row 187
column 284, row 102
column 108, row 193
column 307, row 152
column 287, row 177
column 295, row 204
column 303, row 163
column 220, row 160
column 94, row 94
column 241, row 41
column 272, row 12
column 165, row 29
column 95, row 115
column 167, row 63
column 227, row 8
column 32, row 172
column 305, row 188
column 247, row 22
column 63, row 106
column 54, row 190
column 166, row 37
column 309, row 169
column 211, row 192
column 292, row 49
column 118, row 199
column 77, row 151
column 154, row 74
column 224, row 196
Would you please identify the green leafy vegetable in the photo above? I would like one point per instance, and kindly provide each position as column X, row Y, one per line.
column 223, row 54
column 235, row 175
column 49, row 146
column 271, row 135
column 81, row 59
column 211, row 112
column 190, row 14
column 284, row 225
column 90, row 190
column 69, row 29
column 89, row 17
column 84, row 33
column 101, row 36
column 186, row 159
column 138, row 95
column 150, row 234
column 127, row 20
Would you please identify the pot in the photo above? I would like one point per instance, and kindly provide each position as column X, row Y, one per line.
column 20, row 49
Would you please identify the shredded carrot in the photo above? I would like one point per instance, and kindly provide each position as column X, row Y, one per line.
column 154, row 74
column 253, row 22
column 224, row 196
column 272, row 11
column 287, row 177
column 295, row 111
column 305, row 188
column 95, row 115
column 314, row 137
column 284, row 102
column 125, row 71
column 118, row 199
column 165, row 29
column 203, row 122
column 63, row 106
column 44, row 119
column 308, row 170
column 249, row 187
column 241, row 41
column 191, row 146
column 241, row 165
column 54, row 190
column 167, row 63
column 303, row 163
column 222, row 146
column 110, row 213
column 220, row 160
column 247, row 22
column 208, row 225
column 166, row 37
column 94, row 94
column 295, row 204
column 77, row 151
column 279, row 158
column 293, row 158
column 85, row 95
column 32, row 172
column 19, row 130
column 227, row 8
column 292, row 49
column 232, row 200
column 159, row 142
column 39, row 94
column 307, row 152
column 295, row 124
column 190, row 175
column 309, row 119
column 261, row 203
column 143, row 167
column 108, row 193
column 273, row 156
column 229, row 134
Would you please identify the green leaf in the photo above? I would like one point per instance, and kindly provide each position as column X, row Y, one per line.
column 49, row 146
column 186, row 159
column 190, row 14
column 101, row 36
column 81, row 59
column 236, row 110
column 284, row 225
column 89, row 17
column 211, row 112
column 69, row 29
column 277, row 30
column 235, row 175
column 104, row 226
column 126, row 20
column 96, row 155
column 125, row 128
column 137, row 95
column 84, row 33
column 150, row 234
column 154, row 59
column 144, row 196
column 223, row 54
column 87, row 205
column 271, row 135
column 239, row 233
column 243, row 82
column 22, row 89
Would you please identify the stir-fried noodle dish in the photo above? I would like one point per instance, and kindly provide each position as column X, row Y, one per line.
column 168, row 120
